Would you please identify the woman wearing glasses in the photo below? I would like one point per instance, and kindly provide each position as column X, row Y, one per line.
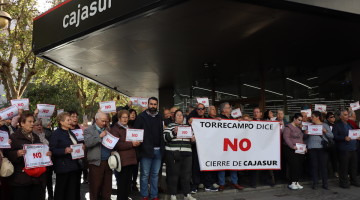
column 293, row 135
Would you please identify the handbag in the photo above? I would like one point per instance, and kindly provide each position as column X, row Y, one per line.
column 35, row 172
column 6, row 168
column 327, row 144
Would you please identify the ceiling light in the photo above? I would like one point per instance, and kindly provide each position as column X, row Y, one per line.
column 298, row 83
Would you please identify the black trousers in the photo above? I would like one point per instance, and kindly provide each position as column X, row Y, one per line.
column 318, row 160
column 123, row 180
column 49, row 181
column 178, row 170
column 333, row 155
column 347, row 166
column 33, row 192
column 207, row 178
column 68, row 186
column 295, row 162
column 135, row 173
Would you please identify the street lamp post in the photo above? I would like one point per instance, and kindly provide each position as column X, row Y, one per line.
column 5, row 18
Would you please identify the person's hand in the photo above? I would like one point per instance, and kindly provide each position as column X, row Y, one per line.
column 219, row 118
column 129, row 104
column 175, row 130
column 193, row 139
column 135, row 144
column 36, row 112
column 83, row 146
column 103, row 134
column 347, row 138
column 9, row 141
column 239, row 119
column 324, row 131
column 21, row 153
column 68, row 150
column 306, row 132
column 48, row 153
column 295, row 148
column 358, row 138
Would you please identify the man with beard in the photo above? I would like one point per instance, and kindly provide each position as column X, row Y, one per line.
column 151, row 149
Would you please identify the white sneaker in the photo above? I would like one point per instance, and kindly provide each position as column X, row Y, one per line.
column 299, row 186
column 173, row 197
column 201, row 186
column 216, row 185
column 293, row 186
column 189, row 197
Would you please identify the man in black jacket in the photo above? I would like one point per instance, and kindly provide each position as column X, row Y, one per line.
column 151, row 149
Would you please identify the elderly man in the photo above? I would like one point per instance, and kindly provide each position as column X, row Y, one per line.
column 100, row 174
column 225, row 113
column 151, row 149
column 346, row 150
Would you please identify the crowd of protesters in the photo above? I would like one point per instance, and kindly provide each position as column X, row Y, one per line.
column 333, row 150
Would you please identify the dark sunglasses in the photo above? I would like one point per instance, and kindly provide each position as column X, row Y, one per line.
column 200, row 108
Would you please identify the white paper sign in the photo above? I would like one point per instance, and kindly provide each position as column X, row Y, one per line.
column 109, row 141
column 184, row 132
column 21, row 103
column 236, row 113
column 60, row 111
column 143, row 102
column 307, row 111
column 315, row 129
column 4, row 140
column 301, row 148
column 134, row 100
column 35, row 156
column 9, row 112
column 305, row 125
column 136, row 135
column 355, row 106
column 79, row 134
column 108, row 106
column 320, row 107
column 78, row 151
column 45, row 110
column 354, row 134
column 237, row 145
column 204, row 101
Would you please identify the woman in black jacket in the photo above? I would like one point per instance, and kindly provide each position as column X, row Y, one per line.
column 68, row 171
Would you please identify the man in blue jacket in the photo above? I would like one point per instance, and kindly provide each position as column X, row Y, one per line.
column 346, row 150
column 151, row 149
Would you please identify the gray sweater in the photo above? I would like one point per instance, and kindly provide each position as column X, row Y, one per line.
column 314, row 141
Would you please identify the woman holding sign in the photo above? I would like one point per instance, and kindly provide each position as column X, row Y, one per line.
column 127, row 152
column 317, row 153
column 24, row 184
column 295, row 156
column 67, row 170
column 178, row 156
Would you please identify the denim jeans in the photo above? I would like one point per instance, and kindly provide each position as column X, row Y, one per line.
column 149, row 167
column 233, row 176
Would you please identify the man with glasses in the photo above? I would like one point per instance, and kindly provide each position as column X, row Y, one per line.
column 208, row 177
column 151, row 149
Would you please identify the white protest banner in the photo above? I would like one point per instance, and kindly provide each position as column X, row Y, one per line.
column 60, row 111
column 320, row 107
column 109, row 141
column 4, row 140
column 305, row 125
column 9, row 112
column 143, row 102
column 108, row 106
column 301, row 148
column 315, row 129
column 354, row 134
column 78, row 151
column 35, row 156
column 134, row 100
column 237, row 145
column 203, row 100
column 355, row 106
column 136, row 135
column 45, row 110
column 184, row 132
column 236, row 113
column 307, row 111
column 21, row 103
column 79, row 134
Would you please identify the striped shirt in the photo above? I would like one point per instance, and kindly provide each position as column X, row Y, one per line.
column 174, row 144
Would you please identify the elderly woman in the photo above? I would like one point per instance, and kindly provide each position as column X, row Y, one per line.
column 23, row 185
column 67, row 170
column 292, row 135
column 317, row 153
column 127, row 154
column 178, row 157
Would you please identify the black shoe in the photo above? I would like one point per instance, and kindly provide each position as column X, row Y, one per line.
column 314, row 187
column 345, row 186
column 325, row 187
